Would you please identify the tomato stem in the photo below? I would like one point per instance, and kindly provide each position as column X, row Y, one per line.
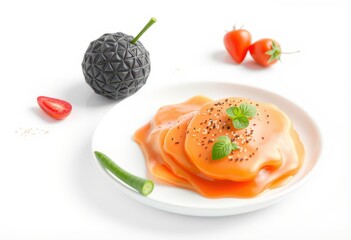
column 234, row 27
column 289, row 52
column 147, row 26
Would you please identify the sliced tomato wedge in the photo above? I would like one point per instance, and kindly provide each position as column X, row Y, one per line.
column 55, row 108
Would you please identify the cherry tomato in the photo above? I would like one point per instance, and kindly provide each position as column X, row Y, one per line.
column 237, row 43
column 265, row 52
column 56, row 108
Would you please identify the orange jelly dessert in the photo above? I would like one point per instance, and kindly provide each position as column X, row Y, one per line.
column 264, row 152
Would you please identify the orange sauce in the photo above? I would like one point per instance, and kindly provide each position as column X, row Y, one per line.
column 177, row 145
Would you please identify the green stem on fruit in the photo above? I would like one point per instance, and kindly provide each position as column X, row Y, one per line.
column 149, row 24
column 289, row 52
column 234, row 27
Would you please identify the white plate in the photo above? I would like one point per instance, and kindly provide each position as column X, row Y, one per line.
column 114, row 133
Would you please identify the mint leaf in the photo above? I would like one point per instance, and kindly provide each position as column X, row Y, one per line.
column 248, row 110
column 234, row 146
column 240, row 115
column 220, row 150
column 241, row 122
column 224, row 139
column 222, row 147
column 233, row 112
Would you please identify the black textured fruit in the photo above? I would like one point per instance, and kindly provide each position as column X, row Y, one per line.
column 114, row 67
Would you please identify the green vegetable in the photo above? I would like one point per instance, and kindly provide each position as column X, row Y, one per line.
column 223, row 147
column 144, row 186
column 274, row 53
column 149, row 24
column 240, row 115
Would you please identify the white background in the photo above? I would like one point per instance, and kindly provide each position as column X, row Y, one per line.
column 50, row 187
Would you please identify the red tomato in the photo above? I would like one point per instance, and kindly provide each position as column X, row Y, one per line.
column 265, row 52
column 54, row 107
column 237, row 43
